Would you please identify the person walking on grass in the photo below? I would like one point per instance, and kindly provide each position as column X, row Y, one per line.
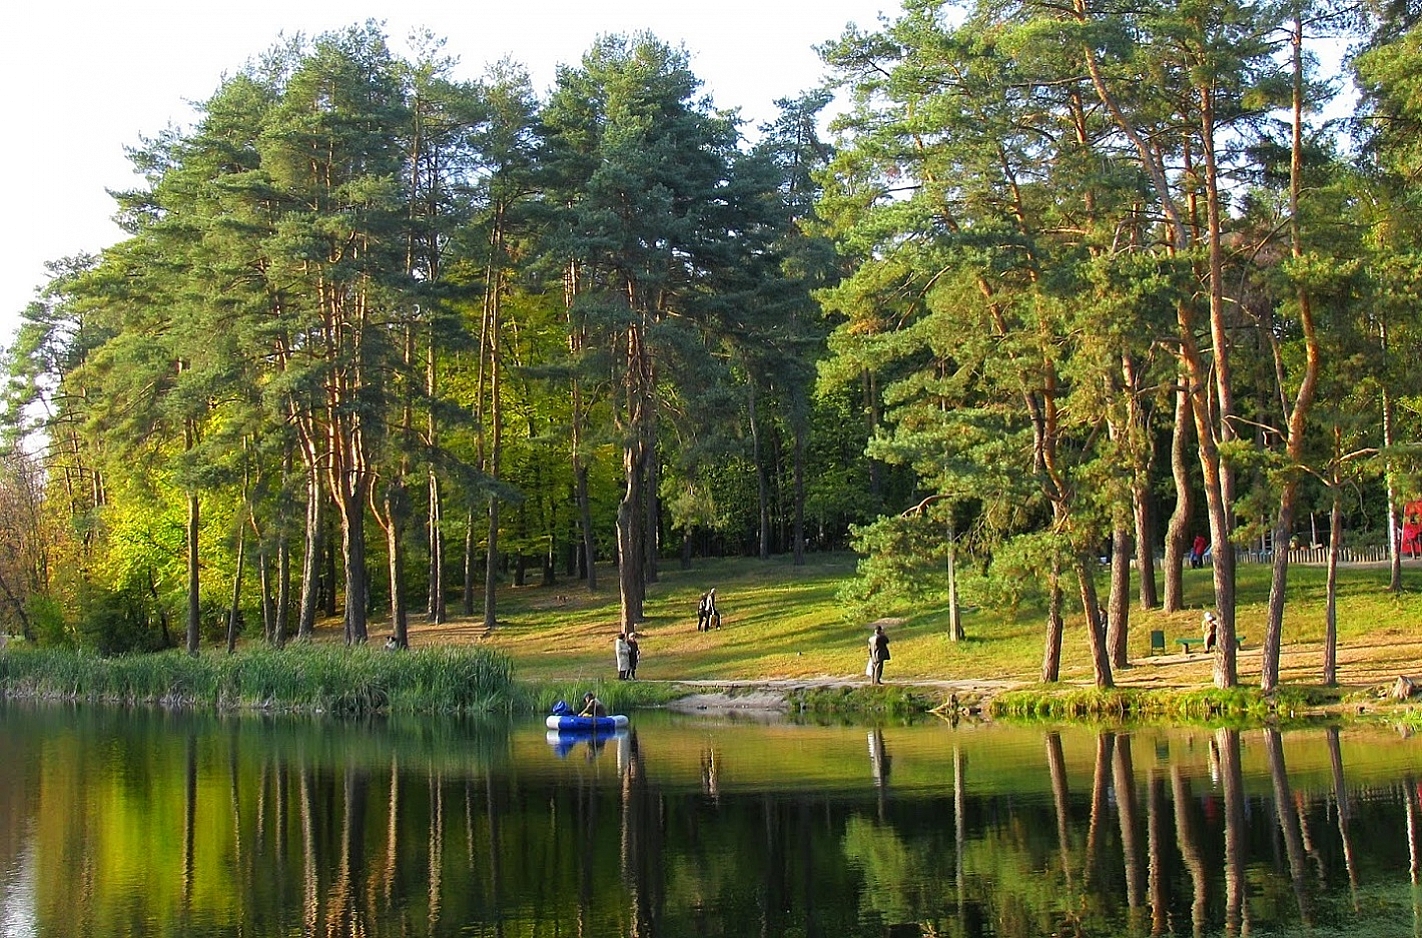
column 878, row 654
column 634, row 653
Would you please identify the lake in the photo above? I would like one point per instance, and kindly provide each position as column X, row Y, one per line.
column 138, row 822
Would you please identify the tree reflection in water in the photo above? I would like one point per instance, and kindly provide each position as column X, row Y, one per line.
column 278, row 827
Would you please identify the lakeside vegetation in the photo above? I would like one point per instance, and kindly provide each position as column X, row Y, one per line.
column 781, row 624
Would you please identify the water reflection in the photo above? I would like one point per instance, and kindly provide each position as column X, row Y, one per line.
column 119, row 823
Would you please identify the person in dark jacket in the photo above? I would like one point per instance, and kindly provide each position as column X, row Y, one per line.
column 878, row 654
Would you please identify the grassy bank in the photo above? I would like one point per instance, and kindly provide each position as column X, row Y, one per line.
column 784, row 622
column 780, row 623
column 321, row 678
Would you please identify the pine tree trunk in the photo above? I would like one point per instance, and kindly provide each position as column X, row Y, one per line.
column 631, row 516
column 651, row 505
column 1095, row 628
column 491, row 566
column 264, row 585
column 1118, row 603
column 436, row 609
column 357, row 593
column 194, row 595
column 469, row 561
column 1052, row 655
column 283, row 614
column 1177, row 533
column 395, row 512
column 1335, row 546
column 311, row 557
column 762, row 485
column 580, row 481
column 234, row 611
column 799, row 496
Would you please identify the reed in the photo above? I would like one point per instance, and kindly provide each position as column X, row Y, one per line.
column 1209, row 705
column 318, row 678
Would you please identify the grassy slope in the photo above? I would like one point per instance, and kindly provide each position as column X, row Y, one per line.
column 783, row 622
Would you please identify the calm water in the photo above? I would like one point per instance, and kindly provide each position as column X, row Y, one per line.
column 142, row 823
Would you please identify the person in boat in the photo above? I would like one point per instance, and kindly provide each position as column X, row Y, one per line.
column 592, row 707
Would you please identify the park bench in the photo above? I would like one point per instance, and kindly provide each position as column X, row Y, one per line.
column 1188, row 644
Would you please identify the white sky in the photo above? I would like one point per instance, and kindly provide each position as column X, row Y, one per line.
column 89, row 77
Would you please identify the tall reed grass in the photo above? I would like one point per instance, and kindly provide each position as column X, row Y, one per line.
column 318, row 678
column 1210, row 705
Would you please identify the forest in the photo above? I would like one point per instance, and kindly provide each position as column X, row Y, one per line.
column 1023, row 299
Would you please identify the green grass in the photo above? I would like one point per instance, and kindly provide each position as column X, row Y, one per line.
column 783, row 622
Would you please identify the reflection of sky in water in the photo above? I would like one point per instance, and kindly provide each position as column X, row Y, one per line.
column 17, row 899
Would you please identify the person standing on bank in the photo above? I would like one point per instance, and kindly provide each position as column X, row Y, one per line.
column 623, row 653
column 633, row 653
column 878, row 654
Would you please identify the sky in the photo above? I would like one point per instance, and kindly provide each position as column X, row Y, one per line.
column 89, row 78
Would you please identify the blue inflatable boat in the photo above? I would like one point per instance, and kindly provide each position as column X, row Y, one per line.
column 569, row 723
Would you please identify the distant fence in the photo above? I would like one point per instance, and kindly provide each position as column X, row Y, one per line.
column 1318, row 555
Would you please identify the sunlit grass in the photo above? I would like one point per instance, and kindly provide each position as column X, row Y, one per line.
column 783, row 622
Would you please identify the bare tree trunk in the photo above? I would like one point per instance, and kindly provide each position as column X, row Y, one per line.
column 1335, row 545
column 762, row 484
column 311, row 556
column 1095, row 628
column 1177, row 533
column 395, row 512
column 630, row 553
column 1394, row 534
column 283, row 611
column 265, row 587
column 1118, row 602
column 799, row 495
column 436, row 609
column 1052, row 656
column 469, row 561
column 651, row 504
column 580, row 478
column 234, row 611
column 194, row 596
column 353, row 561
